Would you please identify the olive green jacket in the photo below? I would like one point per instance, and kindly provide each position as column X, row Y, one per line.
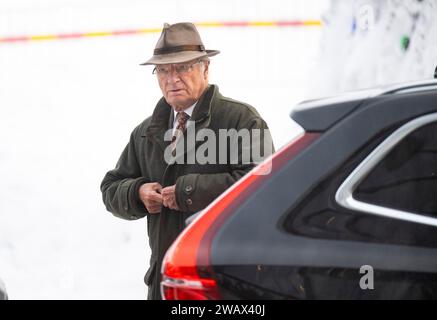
column 197, row 185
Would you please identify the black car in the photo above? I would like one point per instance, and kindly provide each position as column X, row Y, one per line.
column 349, row 210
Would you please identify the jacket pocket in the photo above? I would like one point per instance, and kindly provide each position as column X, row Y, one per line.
column 150, row 274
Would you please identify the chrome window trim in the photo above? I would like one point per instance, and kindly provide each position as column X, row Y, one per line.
column 416, row 89
column 414, row 86
column 363, row 94
column 344, row 195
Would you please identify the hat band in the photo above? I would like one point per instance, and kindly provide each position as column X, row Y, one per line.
column 179, row 49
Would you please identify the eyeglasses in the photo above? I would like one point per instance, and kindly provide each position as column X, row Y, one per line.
column 181, row 69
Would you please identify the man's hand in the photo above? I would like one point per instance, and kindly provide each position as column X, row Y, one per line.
column 169, row 197
column 150, row 195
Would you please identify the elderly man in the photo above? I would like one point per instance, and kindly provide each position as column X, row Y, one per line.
column 146, row 181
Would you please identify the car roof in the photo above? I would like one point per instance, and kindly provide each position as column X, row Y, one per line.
column 320, row 114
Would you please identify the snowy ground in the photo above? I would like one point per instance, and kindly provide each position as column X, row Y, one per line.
column 368, row 43
column 67, row 109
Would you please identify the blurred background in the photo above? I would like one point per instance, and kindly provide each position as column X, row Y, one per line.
column 72, row 90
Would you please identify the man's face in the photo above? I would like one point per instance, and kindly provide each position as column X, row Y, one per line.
column 182, row 84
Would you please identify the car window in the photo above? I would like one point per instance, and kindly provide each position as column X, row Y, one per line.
column 318, row 215
column 406, row 179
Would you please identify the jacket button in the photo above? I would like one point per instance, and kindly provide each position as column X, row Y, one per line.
column 188, row 188
column 189, row 202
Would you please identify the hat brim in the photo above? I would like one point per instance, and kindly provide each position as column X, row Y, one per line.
column 179, row 57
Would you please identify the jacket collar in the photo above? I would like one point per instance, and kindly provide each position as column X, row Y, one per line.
column 203, row 106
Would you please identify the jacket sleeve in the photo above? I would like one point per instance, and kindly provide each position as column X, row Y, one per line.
column 196, row 191
column 120, row 186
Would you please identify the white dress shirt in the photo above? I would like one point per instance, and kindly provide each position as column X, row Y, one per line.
column 188, row 111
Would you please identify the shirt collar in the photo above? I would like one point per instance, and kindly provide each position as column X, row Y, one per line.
column 188, row 111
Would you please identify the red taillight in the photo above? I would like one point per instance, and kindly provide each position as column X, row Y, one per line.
column 186, row 265
column 183, row 289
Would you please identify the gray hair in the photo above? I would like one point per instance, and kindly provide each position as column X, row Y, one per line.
column 203, row 60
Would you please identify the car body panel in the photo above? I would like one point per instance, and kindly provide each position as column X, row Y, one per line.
column 255, row 255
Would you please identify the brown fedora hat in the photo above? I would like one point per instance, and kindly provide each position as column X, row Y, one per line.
column 179, row 42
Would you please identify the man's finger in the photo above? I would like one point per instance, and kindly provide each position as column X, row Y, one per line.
column 167, row 203
column 166, row 198
column 168, row 190
column 154, row 196
column 154, row 209
column 156, row 187
column 165, row 192
column 174, row 206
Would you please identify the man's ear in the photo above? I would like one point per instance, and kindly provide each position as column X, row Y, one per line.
column 206, row 69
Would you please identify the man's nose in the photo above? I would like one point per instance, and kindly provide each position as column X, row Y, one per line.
column 173, row 76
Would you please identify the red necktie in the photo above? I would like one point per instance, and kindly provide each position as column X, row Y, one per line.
column 182, row 119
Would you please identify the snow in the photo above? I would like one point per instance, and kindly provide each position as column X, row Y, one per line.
column 67, row 109
column 361, row 46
